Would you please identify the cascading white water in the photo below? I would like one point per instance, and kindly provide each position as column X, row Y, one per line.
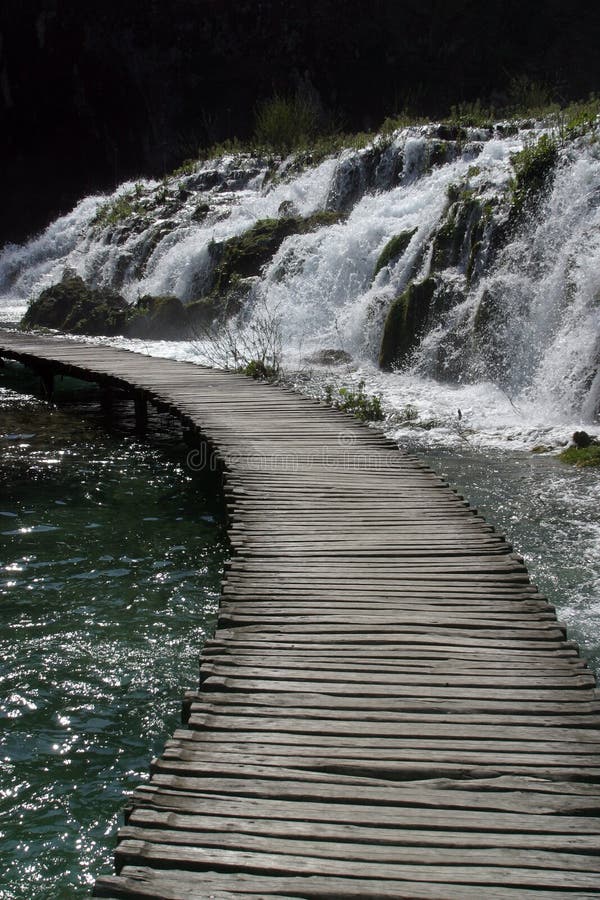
column 545, row 287
column 509, row 363
column 539, row 352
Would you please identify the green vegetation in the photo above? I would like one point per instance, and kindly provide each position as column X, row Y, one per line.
column 533, row 167
column 393, row 250
column 284, row 123
column 366, row 407
column 405, row 322
column 578, row 118
column 472, row 115
column 116, row 211
column 245, row 255
column 296, row 124
column 584, row 452
column 259, row 370
column 581, row 456
column 73, row 306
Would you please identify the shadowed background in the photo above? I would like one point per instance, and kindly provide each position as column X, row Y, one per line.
column 93, row 94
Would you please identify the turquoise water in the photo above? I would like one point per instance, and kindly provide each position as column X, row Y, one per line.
column 550, row 512
column 110, row 559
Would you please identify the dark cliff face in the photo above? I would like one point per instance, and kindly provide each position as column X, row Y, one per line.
column 91, row 94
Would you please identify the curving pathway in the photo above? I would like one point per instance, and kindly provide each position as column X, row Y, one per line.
column 388, row 709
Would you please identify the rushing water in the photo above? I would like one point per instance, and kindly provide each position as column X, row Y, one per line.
column 550, row 514
column 508, row 364
column 110, row 559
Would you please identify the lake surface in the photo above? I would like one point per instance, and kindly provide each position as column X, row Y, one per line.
column 111, row 553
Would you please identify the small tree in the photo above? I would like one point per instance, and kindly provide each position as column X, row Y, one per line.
column 253, row 347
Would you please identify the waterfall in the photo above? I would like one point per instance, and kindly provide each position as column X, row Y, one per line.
column 509, row 301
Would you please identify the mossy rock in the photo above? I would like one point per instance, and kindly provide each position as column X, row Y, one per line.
column 447, row 296
column 487, row 314
column 158, row 318
column 329, row 356
column 454, row 239
column 246, row 254
column 393, row 250
column 533, row 167
column 405, row 322
column 201, row 313
column 450, row 132
column 437, row 153
column 218, row 306
column 201, row 212
column 490, row 334
column 150, row 245
column 72, row 306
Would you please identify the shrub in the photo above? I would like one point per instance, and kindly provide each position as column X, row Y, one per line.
column 366, row 407
column 284, row 123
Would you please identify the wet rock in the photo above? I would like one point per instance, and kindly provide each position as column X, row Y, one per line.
column 405, row 322
column 393, row 250
column 583, row 439
column 73, row 306
column 158, row 318
column 329, row 357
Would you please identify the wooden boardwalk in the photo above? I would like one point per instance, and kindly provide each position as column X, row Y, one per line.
column 388, row 708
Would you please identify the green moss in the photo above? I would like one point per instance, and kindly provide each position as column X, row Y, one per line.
column 450, row 238
column 245, row 255
column 72, row 306
column 533, row 167
column 115, row 211
column 393, row 250
column 405, row 322
column 158, row 318
column 581, row 456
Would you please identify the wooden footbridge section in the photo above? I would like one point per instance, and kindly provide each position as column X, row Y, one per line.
column 388, row 707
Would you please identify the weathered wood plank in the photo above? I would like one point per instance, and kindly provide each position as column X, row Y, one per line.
column 389, row 708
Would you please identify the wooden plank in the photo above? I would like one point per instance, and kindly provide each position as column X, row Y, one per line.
column 140, row 881
column 389, row 708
